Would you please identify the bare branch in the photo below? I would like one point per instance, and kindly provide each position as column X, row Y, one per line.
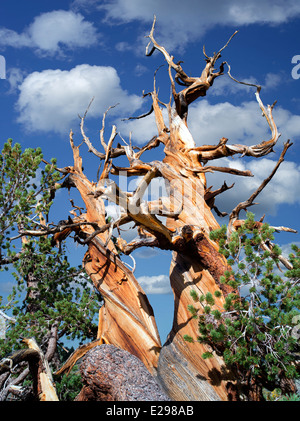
column 135, row 170
column 211, row 168
column 140, row 116
column 285, row 229
column 269, row 247
column 85, row 138
column 139, row 193
column 113, row 134
column 227, row 43
column 194, row 86
column 209, row 195
column 148, row 240
column 44, row 386
column 239, row 222
column 167, row 56
column 241, row 82
column 5, row 316
column 124, row 219
column 244, row 205
column 135, row 208
column 209, row 152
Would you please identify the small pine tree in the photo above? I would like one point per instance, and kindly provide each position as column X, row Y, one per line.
column 253, row 330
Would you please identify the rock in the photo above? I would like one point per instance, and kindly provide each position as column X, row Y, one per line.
column 112, row 374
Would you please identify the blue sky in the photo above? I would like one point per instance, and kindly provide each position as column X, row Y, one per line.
column 60, row 54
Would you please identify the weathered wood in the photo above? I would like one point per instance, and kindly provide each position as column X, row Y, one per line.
column 43, row 384
column 127, row 313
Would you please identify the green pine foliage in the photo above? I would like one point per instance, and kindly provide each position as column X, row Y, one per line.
column 69, row 385
column 254, row 329
column 48, row 292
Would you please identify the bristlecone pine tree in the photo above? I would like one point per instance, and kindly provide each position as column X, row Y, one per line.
column 126, row 319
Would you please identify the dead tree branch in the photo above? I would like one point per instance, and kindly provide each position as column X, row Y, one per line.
column 39, row 367
column 250, row 202
column 209, row 152
column 195, row 86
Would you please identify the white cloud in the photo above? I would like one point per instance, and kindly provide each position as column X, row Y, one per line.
column 284, row 188
column 140, row 70
column 123, row 46
column 52, row 99
column 218, row 11
column 177, row 28
column 239, row 123
column 9, row 38
column 50, row 32
column 157, row 284
column 226, row 86
column 272, row 80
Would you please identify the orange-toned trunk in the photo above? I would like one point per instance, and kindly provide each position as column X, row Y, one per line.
column 126, row 319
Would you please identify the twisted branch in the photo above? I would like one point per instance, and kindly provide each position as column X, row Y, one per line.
column 195, row 86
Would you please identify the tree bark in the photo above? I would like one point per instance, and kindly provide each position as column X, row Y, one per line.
column 112, row 374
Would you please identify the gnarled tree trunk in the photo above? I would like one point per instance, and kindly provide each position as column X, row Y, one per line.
column 126, row 319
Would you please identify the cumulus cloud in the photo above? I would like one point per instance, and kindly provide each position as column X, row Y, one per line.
column 52, row 99
column 226, row 86
column 51, row 32
column 157, row 284
column 284, row 188
column 239, row 123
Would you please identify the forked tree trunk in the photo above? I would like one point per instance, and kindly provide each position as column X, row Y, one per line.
column 126, row 319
